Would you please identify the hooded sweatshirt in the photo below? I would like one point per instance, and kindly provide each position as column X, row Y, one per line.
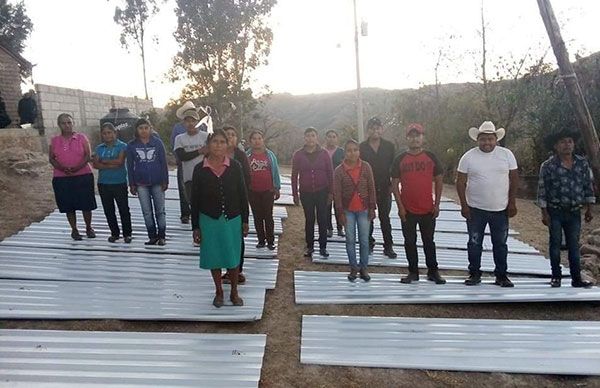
column 147, row 163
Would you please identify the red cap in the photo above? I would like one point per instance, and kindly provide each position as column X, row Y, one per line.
column 415, row 127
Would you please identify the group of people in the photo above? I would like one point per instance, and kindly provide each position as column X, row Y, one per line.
column 27, row 110
column 362, row 178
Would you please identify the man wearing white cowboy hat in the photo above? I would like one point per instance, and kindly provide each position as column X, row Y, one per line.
column 178, row 129
column 486, row 183
column 189, row 146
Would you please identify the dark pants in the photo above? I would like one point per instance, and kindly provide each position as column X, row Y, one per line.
column 498, row 222
column 570, row 222
column 109, row 194
column 384, row 205
column 331, row 211
column 262, row 210
column 184, row 205
column 315, row 203
column 426, row 224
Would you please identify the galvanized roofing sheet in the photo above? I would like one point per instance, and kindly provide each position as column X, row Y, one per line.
column 481, row 345
column 93, row 266
column 48, row 358
column 162, row 300
column 334, row 288
column 527, row 264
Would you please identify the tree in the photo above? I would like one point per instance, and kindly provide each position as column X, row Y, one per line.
column 221, row 43
column 15, row 26
column 133, row 19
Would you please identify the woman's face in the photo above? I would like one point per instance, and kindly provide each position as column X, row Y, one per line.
column 108, row 135
column 217, row 145
column 257, row 142
column 144, row 131
column 231, row 137
column 352, row 152
column 66, row 124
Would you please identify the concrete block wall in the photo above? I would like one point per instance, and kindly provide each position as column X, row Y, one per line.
column 86, row 107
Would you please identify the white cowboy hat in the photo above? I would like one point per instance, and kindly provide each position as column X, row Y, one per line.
column 187, row 109
column 486, row 127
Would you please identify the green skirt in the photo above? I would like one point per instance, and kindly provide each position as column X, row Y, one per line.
column 221, row 244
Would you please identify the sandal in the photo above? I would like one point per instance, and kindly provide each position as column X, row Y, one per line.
column 237, row 301
column 218, row 301
column 76, row 236
column 90, row 233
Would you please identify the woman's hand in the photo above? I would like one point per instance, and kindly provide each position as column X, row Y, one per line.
column 133, row 190
column 277, row 195
column 197, row 236
column 164, row 186
column 245, row 229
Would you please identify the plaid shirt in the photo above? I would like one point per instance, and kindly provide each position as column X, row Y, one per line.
column 560, row 187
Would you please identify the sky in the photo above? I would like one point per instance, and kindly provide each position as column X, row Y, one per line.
column 75, row 44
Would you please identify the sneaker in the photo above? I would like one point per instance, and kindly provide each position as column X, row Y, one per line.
column 161, row 241
column 578, row 283
column 555, row 282
column 152, row 241
column 329, row 233
column 503, row 281
column 389, row 252
column 411, row 277
column 364, row 275
column 127, row 239
column 185, row 219
column 261, row 245
column 340, row 232
column 323, row 252
column 435, row 276
column 308, row 252
column 352, row 274
column 473, row 280
column 113, row 239
column 271, row 246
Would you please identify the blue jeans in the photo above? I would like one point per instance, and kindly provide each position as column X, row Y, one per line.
column 570, row 222
column 149, row 196
column 362, row 220
column 498, row 222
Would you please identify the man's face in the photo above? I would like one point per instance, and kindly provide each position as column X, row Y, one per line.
column 415, row 139
column 332, row 139
column 375, row 132
column 190, row 124
column 565, row 146
column 310, row 139
column 487, row 142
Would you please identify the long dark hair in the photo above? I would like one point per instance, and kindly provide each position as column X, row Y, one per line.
column 139, row 122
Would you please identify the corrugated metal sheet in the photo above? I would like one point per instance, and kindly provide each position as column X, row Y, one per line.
column 527, row 264
column 47, row 358
column 66, row 265
column 481, row 345
column 334, row 288
column 164, row 300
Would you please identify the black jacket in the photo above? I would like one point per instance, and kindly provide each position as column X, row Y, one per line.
column 380, row 161
column 213, row 196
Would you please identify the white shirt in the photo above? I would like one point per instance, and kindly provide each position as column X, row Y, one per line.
column 189, row 144
column 487, row 177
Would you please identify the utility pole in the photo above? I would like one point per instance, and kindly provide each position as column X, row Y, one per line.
column 359, row 102
column 582, row 113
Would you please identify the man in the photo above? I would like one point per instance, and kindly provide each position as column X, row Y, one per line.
column 178, row 129
column 27, row 108
column 486, row 183
column 379, row 153
column 190, row 147
column 565, row 186
column 415, row 169
column 4, row 118
column 312, row 169
column 336, row 154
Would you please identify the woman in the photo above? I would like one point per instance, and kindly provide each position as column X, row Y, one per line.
column 109, row 159
column 264, row 189
column 73, row 181
column 355, row 201
column 149, row 179
column 220, row 214
column 235, row 153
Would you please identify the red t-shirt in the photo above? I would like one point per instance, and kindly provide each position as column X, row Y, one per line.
column 261, row 178
column 416, row 174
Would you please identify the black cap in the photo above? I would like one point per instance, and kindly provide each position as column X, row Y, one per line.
column 553, row 138
column 374, row 122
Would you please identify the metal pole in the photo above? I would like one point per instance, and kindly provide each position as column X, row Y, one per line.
column 359, row 103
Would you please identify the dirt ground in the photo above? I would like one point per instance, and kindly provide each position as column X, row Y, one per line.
column 24, row 199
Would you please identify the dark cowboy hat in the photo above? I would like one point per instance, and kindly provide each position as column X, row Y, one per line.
column 554, row 137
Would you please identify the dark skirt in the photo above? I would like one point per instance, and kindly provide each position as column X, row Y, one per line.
column 74, row 193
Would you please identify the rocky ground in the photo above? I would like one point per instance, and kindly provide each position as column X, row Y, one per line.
column 26, row 196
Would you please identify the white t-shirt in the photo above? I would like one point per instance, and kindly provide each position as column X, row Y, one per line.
column 189, row 144
column 487, row 177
